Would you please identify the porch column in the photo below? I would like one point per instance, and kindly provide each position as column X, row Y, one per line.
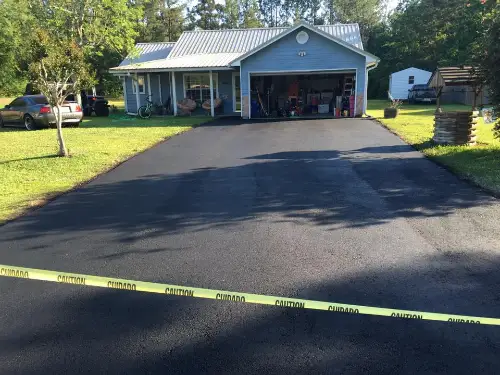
column 124, row 82
column 212, row 109
column 365, row 99
column 159, row 88
column 137, row 97
column 174, row 94
column 149, row 87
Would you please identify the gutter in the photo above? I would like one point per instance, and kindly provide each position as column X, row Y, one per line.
column 366, row 91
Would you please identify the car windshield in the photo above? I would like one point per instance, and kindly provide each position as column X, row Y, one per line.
column 39, row 100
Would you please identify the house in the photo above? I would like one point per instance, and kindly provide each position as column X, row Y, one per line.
column 313, row 68
column 459, row 85
column 402, row 81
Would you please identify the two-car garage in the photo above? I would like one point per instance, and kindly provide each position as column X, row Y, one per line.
column 303, row 94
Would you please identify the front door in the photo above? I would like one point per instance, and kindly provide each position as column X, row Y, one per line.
column 236, row 93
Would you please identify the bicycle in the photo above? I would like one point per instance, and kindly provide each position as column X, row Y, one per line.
column 146, row 110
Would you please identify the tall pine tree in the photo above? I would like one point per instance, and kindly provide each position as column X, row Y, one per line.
column 205, row 15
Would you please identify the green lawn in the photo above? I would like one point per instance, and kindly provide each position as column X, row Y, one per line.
column 480, row 163
column 31, row 174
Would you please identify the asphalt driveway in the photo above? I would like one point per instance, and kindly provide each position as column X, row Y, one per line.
column 333, row 210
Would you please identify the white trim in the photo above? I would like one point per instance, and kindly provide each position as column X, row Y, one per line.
column 149, row 86
column 300, row 72
column 159, row 70
column 366, row 87
column 249, row 98
column 212, row 108
column 174, row 95
column 159, row 89
column 137, row 81
column 234, row 91
column 137, row 97
column 124, row 82
column 311, row 28
column 355, row 93
column 216, row 76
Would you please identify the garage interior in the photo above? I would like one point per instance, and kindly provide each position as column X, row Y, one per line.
column 303, row 95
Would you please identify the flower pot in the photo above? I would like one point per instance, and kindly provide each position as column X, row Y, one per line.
column 391, row 112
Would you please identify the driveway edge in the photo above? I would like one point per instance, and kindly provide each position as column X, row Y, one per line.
column 453, row 171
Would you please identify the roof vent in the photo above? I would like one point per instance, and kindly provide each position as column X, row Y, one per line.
column 302, row 37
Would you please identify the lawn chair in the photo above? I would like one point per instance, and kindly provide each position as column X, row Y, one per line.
column 206, row 105
column 186, row 106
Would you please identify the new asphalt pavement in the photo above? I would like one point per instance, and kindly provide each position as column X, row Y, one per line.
column 331, row 210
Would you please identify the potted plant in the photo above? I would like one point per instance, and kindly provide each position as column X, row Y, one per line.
column 393, row 110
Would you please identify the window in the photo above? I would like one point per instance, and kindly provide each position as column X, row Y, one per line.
column 197, row 86
column 411, row 80
column 19, row 102
column 40, row 100
column 140, row 82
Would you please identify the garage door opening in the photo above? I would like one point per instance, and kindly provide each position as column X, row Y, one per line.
column 317, row 95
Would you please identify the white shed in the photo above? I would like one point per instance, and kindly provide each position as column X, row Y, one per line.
column 400, row 82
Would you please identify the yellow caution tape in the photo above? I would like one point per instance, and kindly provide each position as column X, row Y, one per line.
column 177, row 290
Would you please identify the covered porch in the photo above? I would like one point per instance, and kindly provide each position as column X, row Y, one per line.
column 214, row 93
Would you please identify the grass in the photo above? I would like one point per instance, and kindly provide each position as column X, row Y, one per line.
column 31, row 173
column 414, row 124
column 5, row 101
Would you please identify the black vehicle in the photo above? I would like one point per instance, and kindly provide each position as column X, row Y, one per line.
column 421, row 94
column 94, row 104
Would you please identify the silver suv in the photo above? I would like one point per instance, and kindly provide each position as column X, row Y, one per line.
column 33, row 112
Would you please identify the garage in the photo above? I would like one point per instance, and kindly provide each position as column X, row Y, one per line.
column 320, row 94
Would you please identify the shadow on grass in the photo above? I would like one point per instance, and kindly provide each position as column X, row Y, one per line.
column 125, row 121
column 32, row 158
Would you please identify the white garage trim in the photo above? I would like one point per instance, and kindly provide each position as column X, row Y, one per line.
column 303, row 72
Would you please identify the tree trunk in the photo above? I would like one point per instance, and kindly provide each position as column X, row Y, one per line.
column 63, row 151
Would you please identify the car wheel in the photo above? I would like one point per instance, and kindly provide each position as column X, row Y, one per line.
column 1, row 122
column 102, row 111
column 29, row 122
column 87, row 112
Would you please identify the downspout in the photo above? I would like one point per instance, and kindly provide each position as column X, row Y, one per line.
column 366, row 87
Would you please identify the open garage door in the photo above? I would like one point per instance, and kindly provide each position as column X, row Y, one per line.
column 311, row 94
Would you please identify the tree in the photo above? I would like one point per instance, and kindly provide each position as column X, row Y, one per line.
column 163, row 21
column 271, row 12
column 229, row 14
column 205, row 15
column 13, row 54
column 66, row 36
column 367, row 13
column 104, row 29
column 60, row 70
column 487, row 56
column 249, row 14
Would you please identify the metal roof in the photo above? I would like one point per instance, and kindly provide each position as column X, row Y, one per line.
column 244, row 40
column 149, row 52
column 218, row 48
column 453, row 76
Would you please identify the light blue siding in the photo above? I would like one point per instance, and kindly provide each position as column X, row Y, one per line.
column 155, row 93
column 320, row 54
column 131, row 102
column 226, row 89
